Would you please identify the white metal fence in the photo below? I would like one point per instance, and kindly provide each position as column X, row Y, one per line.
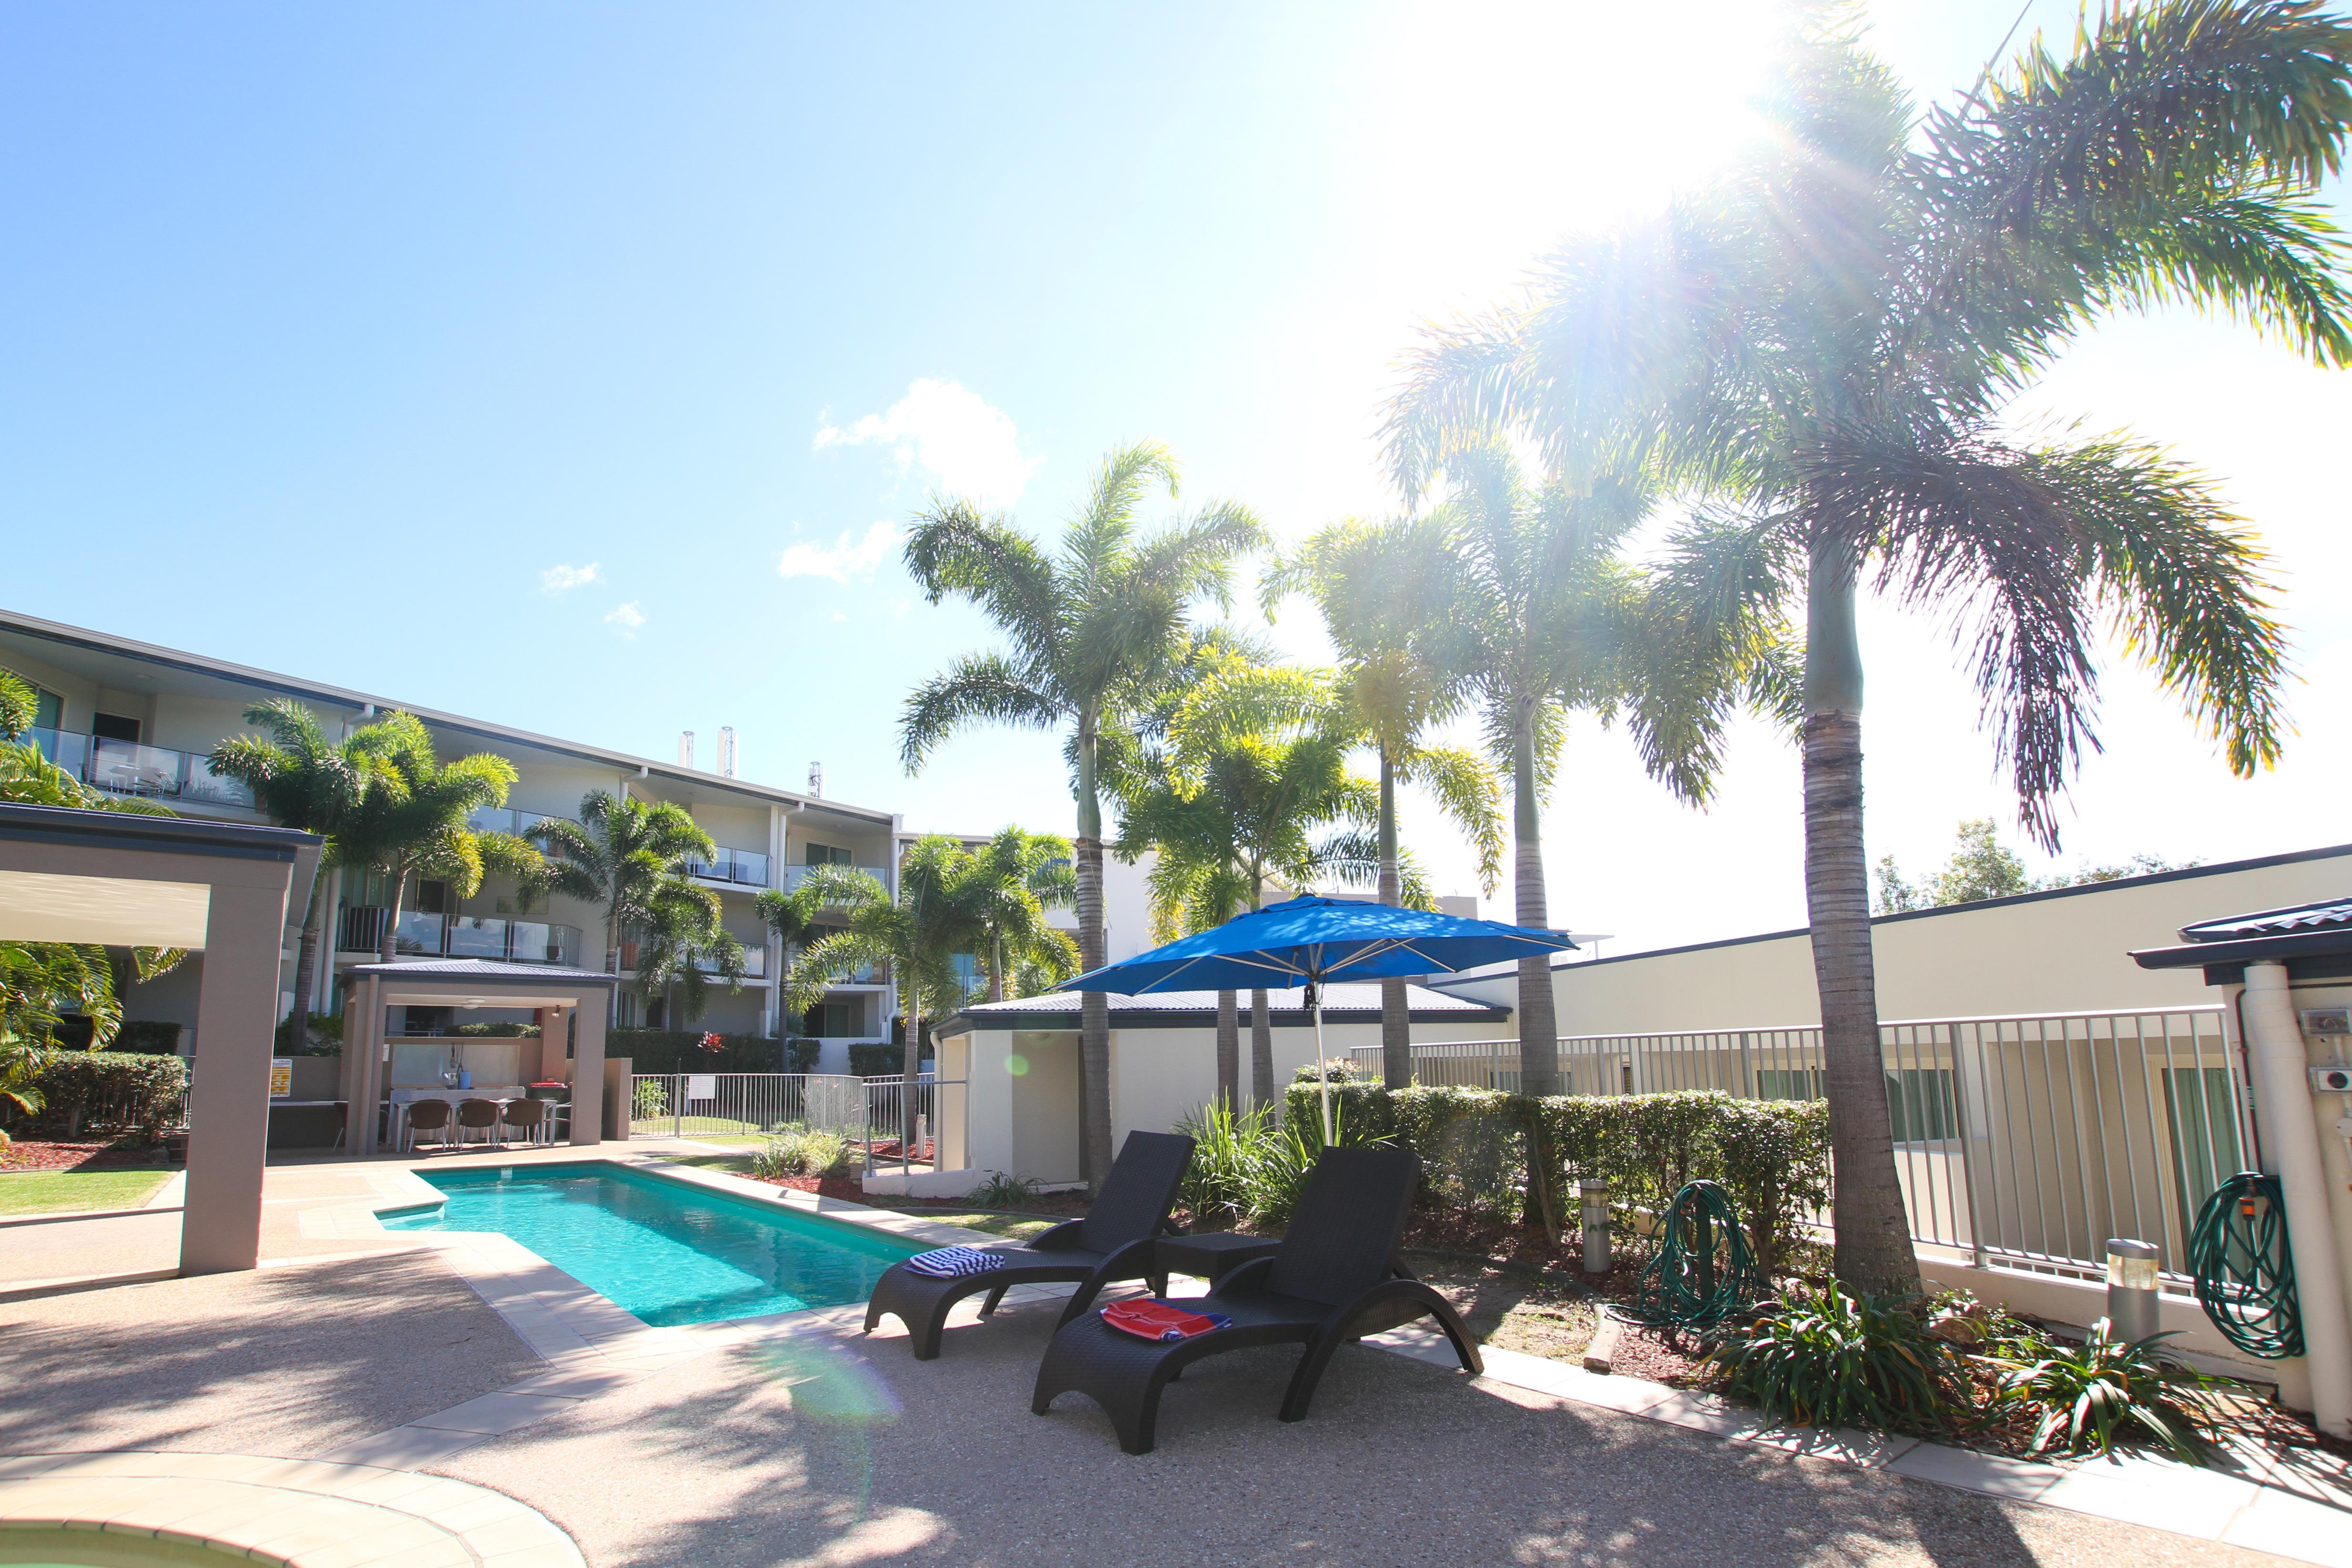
column 890, row 1120
column 2026, row 1141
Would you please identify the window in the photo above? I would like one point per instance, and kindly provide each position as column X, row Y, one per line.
column 830, row 1020
column 432, row 898
column 48, row 709
column 1789, row 1083
column 114, row 727
column 1920, row 1103
column 825, row 854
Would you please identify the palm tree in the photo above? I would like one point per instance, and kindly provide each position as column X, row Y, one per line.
column 1011, row 881
column 415, row 818
column 1092, row 631
column 1371, row 581
column 919, row 934
column 1824, row 342
column 628, row 857
column 303, row 780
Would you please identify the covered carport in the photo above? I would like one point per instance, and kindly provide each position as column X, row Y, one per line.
column 120, row 879
column 572, row 1003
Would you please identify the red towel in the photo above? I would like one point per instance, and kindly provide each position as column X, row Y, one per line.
column 1154, row 1319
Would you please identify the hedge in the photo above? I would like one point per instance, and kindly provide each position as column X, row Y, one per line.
column 682, row 1050
column 1772, row 1154
column 881, row 1058
column 120, row 1091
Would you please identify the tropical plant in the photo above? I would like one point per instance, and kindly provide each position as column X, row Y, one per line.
column 1824, row 341
column 1371, row 582
column 2107, row 1391
column 1092, row 631
column 680, row 952
column 794, row 1149
column 628, row 857
column 1010, row 882
column 415, row 818
column 1003, row 1192
column 303, row 780
column 1832, row 1358
column 919, row 934
column 1230, row 801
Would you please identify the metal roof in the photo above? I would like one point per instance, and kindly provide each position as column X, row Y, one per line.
column 2322, row 916
column 1342, row 1004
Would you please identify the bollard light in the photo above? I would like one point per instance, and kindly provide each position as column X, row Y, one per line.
column 2132, row 1289
column 1596, row 1226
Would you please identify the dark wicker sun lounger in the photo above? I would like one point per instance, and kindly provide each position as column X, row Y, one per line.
column 1334, row 1280
column 1114, row 1242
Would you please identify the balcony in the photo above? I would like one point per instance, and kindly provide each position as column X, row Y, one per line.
column 795, row 874
column 150, row 773
column 423, row 935
column 737, row 868
column 755, row 960
column 498, row 819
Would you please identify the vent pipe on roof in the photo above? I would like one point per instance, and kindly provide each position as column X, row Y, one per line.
column 727, row 751
column 816, row 781
column 686, row 748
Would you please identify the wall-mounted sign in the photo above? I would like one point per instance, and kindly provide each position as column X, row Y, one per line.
column 281, row 1076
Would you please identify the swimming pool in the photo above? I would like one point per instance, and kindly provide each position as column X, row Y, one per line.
column 666, row 1252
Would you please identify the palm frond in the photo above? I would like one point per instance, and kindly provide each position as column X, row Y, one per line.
column 976, row 688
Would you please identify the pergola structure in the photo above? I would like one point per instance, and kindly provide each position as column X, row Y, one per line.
column 120, row 879
column 572, row 1004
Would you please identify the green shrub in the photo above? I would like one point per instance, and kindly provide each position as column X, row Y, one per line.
column 2106, row 1391
column 801, row 1053
column 651, row 1099
column 1250, row 1168
column 1339, row 1071
column 109, row 1091
column 147, row 1037
column 879, row 1058
column 1004, row 1192
column 681, row 1051
column 327, row 1036
column 1831, row 1359
column 794, row 1150
column 498, row 1031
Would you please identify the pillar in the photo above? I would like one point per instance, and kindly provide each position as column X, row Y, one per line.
column 229, row 1095
column 588, row 1073
column 363, row 1048
column 2290, row 1135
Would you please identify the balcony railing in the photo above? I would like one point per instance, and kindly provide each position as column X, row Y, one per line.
column 739, row 867
column 755, row 960
column 499, row 819
column 795, row 874
column 152, row 773
column 425, row 935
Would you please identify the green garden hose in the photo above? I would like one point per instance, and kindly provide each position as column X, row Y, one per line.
column 2245, row 1274
column 1704, row 1269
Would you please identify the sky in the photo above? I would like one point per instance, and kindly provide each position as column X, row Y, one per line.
column 578, row 367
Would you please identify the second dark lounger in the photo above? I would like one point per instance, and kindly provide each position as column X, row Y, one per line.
column 1114, row 1242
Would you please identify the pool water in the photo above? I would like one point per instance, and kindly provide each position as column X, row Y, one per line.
column 668, row 1253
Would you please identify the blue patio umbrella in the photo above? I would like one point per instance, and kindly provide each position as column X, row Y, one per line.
column 1312, row 941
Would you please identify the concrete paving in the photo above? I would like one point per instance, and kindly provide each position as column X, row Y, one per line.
column 819, row 1447
column 286, row 1361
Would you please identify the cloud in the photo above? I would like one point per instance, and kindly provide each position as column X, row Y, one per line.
column 562, row 579
column 628, row 617
column 849, row 556
column 969, row 448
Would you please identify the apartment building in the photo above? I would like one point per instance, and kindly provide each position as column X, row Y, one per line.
column 136, row 720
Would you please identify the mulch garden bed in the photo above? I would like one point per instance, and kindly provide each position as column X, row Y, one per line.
column 42, row 1154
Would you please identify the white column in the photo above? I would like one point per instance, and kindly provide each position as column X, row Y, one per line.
column 228, row 1090
column 2290, row 1135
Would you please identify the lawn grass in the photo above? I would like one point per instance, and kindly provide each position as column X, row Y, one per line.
column 57, row 1192
column 1019, row 1227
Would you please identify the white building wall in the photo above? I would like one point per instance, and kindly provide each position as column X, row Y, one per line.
column 2065, row 952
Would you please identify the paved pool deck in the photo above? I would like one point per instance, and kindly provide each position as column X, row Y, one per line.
column 795, row 1440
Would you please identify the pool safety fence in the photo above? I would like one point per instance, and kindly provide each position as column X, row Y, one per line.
column 2022, row 1142
column 890, row 1120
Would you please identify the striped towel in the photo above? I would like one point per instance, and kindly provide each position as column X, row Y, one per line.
column 953, row 1262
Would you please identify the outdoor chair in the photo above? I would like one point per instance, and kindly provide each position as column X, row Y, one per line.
column 1112, row 1243
column 1335, row 1280
column 526, row 1116
column 428, row 1116
column 480, row 1115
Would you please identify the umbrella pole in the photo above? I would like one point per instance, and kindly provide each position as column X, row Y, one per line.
column 1322, row 1067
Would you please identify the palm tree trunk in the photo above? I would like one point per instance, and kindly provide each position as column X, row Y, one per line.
column 910, row 1067
column 1229, row 1050
column 612, row 961
column 306, row 958
column 1396, row 1016
column 1094, row 1007
column 1873, row 1235
column 996, row 966
column 1539, row 1029
column 398, row 876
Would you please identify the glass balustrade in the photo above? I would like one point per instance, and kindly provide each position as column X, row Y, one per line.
column 499, row 819
column 152, row 773
column 359, row 929
column 476, row 936
column 739, row 867
column 796, row 875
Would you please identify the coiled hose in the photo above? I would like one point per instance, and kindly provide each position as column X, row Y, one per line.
column 1704, row 1269
column 2239, row 1256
